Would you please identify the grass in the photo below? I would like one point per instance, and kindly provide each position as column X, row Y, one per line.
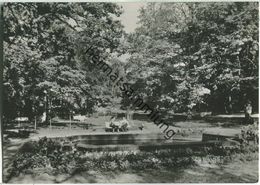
column 53, row 158
column 58, row 159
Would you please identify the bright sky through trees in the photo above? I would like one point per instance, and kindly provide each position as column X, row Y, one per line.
column 129, row 17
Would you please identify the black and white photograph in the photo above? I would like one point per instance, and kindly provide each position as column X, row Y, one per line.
column 129, row 92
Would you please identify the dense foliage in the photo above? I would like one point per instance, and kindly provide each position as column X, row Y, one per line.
column 46, row 63
column 196, row 56
column 182, row 57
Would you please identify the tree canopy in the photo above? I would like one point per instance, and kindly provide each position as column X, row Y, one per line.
column 45, row 54
column 197, row 56
column 182, row 57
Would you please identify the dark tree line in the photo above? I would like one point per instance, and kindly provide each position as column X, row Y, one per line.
column 183, row 57
column 197, row 56
column 44, row 45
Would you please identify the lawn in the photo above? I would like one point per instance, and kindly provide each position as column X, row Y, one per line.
column 206, row 169
column 214, row 164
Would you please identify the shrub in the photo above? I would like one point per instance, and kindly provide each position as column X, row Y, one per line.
column 48, row 153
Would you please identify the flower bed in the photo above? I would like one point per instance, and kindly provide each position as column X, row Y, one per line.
column 63, row 158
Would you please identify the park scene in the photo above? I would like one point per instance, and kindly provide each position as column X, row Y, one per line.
column 106, row 92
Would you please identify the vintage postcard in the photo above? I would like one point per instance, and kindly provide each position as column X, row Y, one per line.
column 129, row 92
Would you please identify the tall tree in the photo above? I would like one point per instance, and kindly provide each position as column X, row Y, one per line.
column 206, row 53
column 45, row 54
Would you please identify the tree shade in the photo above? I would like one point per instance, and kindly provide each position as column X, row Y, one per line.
column 183, row 57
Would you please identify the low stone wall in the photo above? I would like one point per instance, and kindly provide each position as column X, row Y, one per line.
column 216, row 137
column 238, row 119
column 128, row 141
column 115, row 138
column 147, row 146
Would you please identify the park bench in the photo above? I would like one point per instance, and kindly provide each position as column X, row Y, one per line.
column 57, row 122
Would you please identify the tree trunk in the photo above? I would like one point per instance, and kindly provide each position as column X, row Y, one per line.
column 46, row 110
